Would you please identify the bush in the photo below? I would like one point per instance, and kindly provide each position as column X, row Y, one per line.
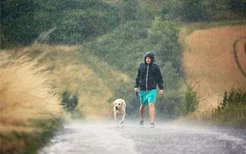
column 185, row 10
column 30, row 142
column 202, row 10
column 164, row 36
column 235, row 97
column 232, row 110
column 75, row 21
column 237, row 6
column 123, row 46
column 167, row 106
column 69, row 102
column 190, row 102
column 17, row 21
column 128, row 10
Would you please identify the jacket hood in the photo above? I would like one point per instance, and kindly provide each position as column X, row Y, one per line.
column 151, row 55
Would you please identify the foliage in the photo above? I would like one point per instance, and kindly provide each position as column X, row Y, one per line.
column 190, row 102
column 29, row 142
column 128, row 10
column 202, row 10
column 234, row 98
column 119, row 33
column 187, row 10
column 232, row 110
column 164, row 36
column 120, row 47
column 75, row 21
column 17, row 20
column 237, row 6
column 193, row 10
column 167, row 106
column 69, row 101
column 124, row 48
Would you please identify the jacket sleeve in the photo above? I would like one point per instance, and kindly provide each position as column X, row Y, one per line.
column 137, row 77
column 159, row 78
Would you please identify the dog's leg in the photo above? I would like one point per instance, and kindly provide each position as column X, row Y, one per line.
column 116, row 119
column 123, row 118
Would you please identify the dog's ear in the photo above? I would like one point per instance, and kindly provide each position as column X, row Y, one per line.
column 124, row 103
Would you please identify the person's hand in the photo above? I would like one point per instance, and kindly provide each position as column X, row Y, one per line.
column 160, row 91
column 136, row 89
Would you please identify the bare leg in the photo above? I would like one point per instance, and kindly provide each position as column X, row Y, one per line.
column 141, row 110
column 152, row 112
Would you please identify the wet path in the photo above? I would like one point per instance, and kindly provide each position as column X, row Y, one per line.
column 105, row 138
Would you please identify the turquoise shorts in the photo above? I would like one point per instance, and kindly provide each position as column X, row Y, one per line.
column 147, row 96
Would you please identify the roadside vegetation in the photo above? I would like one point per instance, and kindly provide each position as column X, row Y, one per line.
column 25, row 99
column 232, row 109
column 71, row 59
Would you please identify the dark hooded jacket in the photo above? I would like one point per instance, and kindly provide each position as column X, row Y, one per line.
column 149, row 75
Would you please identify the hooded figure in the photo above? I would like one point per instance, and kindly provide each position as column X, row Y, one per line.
column 149, row 75
column 151, row 55
column 147, row 79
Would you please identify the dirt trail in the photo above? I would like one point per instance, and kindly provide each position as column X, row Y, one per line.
column 209, row 60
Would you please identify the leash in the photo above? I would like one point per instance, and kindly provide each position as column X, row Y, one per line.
column 137, row 100
column 138, row 105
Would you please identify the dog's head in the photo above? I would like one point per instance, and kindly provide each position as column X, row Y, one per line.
column 118, row 104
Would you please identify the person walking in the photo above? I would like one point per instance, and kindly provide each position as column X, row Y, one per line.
column 147, row 79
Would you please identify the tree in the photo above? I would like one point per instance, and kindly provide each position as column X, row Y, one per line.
column 193, row 10
column 128, row 10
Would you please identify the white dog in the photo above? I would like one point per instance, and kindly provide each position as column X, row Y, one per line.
column 119, row 107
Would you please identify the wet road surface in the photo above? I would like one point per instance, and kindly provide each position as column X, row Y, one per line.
column 106, row 138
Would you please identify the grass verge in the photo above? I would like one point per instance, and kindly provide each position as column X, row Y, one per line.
column 28, row 142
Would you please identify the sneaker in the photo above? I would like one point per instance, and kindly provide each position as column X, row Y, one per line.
column 141, row 123
column 152, row 125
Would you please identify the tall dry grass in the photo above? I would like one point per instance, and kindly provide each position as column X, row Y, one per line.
column 64, row 69
column 210, row 65
column 32, row 80
column 92, row 92
column 24, row 92
column 68, row 72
